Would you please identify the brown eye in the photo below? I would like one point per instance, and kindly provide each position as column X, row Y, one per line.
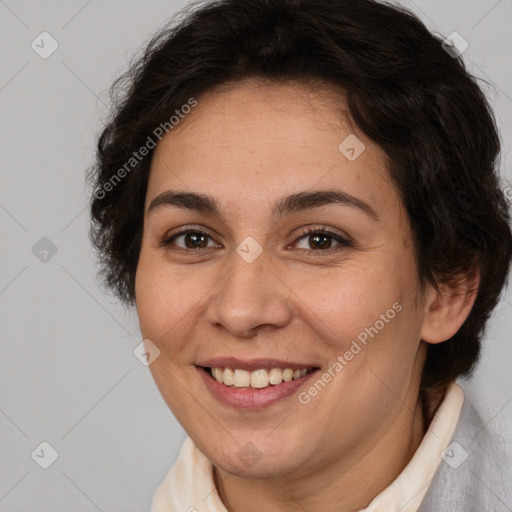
column 195, row 240
column 321, row 240
column 191, row 240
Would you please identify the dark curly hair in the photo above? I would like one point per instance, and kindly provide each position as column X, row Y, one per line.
column 404, row 91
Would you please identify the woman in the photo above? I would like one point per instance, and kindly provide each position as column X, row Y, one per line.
column 300, row 198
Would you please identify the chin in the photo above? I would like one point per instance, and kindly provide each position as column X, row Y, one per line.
column 252, row 460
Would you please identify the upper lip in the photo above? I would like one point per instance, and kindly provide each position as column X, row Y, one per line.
column 252, row 364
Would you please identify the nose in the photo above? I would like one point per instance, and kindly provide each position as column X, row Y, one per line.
column 249, row 298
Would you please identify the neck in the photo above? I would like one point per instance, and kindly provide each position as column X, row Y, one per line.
column 431, row 398
column 345, row 485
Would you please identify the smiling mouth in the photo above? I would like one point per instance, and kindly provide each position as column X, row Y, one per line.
column 257, row 379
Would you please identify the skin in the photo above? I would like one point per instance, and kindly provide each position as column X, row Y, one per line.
column 248, row 145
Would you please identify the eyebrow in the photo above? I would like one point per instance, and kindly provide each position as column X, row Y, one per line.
column 293, row 203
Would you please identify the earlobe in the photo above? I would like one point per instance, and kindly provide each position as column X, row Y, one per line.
column 447, row 308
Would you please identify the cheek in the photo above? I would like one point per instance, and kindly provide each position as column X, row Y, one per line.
column 348, row 299
column 366, row 314
column 165, row 300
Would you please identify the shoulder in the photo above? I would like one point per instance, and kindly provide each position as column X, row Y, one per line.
column 476, row 471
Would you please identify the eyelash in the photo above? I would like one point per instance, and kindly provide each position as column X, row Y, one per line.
column 342, row 242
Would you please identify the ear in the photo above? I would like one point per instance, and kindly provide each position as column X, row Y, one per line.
column 447, row 309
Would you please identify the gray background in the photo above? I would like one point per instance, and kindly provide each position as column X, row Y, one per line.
column 68, row 375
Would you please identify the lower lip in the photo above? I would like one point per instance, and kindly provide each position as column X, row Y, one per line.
column 251, row 398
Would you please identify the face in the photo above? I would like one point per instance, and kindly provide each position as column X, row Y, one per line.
column 324, row 280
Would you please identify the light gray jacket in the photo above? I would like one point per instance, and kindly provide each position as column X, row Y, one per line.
column 476, row 473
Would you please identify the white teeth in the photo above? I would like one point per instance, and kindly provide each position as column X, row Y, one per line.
column 218, row 375
column 288, row 375
column 260, row 378
column 227, row 376
column 275, row 376
column 242, row 379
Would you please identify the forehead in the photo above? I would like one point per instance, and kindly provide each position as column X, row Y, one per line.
column 249, row 141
